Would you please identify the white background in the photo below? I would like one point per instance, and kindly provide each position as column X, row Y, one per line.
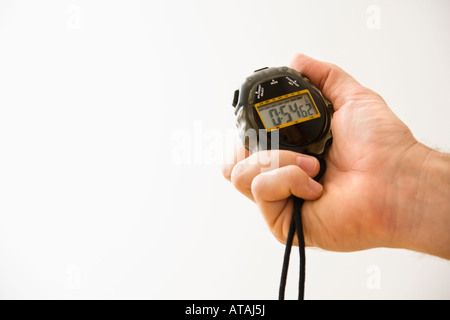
column 114, row 117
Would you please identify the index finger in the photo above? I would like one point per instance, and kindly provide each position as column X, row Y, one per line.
column 238, row 153
column 336, row 84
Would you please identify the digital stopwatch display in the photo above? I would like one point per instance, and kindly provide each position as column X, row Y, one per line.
column 287, row 110
column 280, row 108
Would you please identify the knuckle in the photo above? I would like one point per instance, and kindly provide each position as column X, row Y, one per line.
column 237, row 176
column 295, row 175
column 226, row 171
column 257, row 186
column 296, row 178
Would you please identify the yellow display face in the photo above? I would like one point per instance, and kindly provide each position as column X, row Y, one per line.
column 287, row 110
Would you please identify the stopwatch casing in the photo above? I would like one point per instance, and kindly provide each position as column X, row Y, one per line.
column 281, row 109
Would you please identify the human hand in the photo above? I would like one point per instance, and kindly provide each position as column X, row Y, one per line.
column 371, row 182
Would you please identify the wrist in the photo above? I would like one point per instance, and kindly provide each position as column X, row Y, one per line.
column 421, row 201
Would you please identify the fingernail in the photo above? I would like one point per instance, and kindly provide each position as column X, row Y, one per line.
column 315, row 186
column 307, row 163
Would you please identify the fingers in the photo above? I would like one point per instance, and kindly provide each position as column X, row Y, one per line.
column 238, row 153
column 336, row 84
column 272, row 190
column 281, row 183
column 245, row 171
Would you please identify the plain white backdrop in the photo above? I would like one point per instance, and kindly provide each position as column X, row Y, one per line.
column 114, row 119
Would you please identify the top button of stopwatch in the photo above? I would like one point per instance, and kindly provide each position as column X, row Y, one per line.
column 260, row 69
column 236, row 93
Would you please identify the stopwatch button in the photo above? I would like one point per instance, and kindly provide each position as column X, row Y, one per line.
column 235, row 98
column 307, row 80
column 261, row 69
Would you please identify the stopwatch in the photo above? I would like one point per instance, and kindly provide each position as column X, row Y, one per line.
column 283, row 109
column 279, row 108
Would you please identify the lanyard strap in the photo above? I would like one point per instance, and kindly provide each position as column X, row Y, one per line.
column 297, row 225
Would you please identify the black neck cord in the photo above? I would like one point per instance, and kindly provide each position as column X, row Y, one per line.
column 297, row 225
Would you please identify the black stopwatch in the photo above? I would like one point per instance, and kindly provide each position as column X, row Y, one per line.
column 278, row 108
column 283, row 105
